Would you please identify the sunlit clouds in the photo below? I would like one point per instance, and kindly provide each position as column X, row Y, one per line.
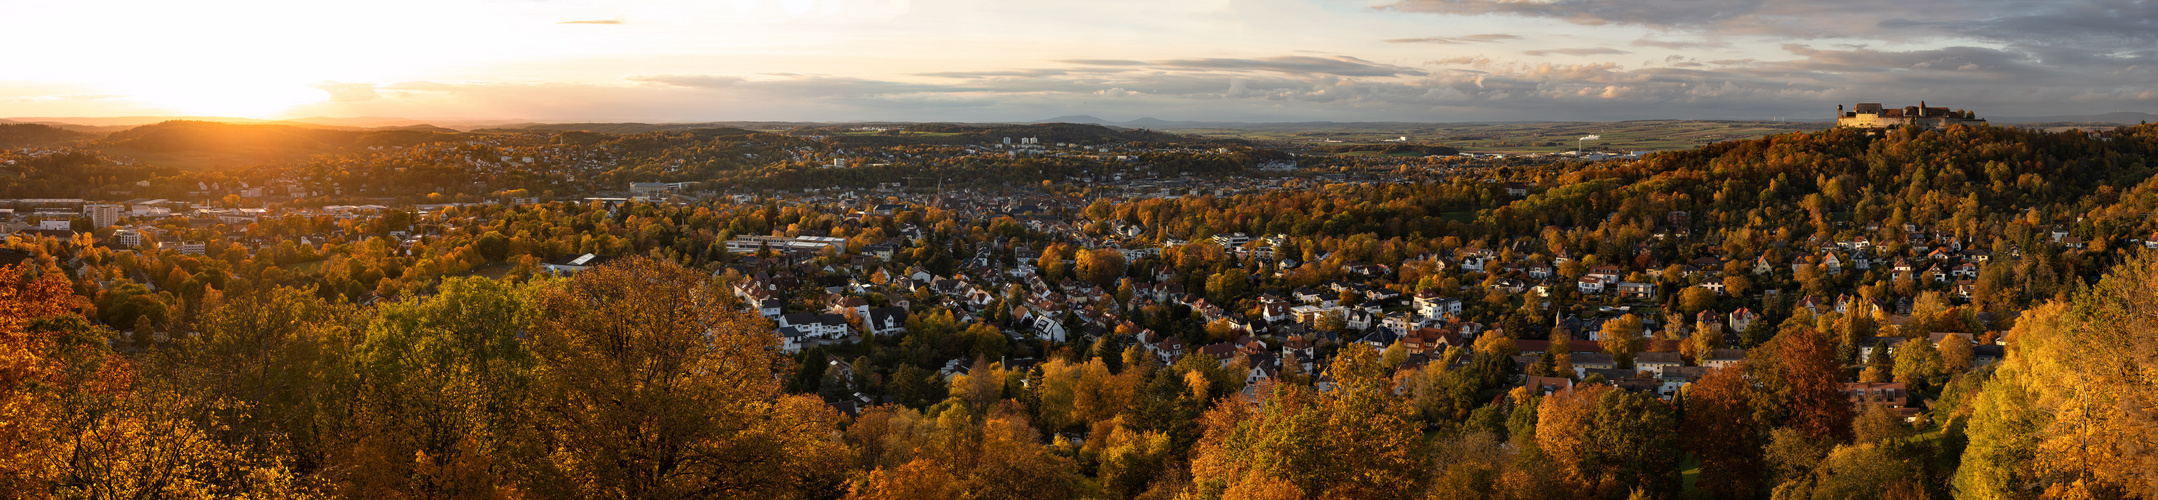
column 980, row 60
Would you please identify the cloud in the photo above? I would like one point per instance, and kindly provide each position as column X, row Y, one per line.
column 595, row 21
column 1468, row 60
column 703, row 81
column 1104, row 62
column 1301, row 65
column 2116, row 28
column 1794, row 79
column 1479, row 38
column 349, row 92
column 1594, row 12
column 1679, row 44
column 59, row 98
column 995, row 74
column 1981, row 62
column 1576, row 52
column 1336, row 65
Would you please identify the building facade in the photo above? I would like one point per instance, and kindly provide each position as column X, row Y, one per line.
column 1873, row 115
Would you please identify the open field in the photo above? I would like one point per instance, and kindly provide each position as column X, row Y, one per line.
column 902, row 133
column 1543, row 137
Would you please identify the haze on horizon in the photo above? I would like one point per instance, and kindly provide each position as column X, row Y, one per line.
column 978, row 60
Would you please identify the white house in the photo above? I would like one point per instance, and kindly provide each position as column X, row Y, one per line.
column 1590, row 284
column 885, row 320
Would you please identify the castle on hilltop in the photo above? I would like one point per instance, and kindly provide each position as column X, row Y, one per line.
column 1871, row 115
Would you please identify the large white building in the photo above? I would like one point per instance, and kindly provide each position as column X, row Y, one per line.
column 1873, row 115
column 748, row 244
column 103, row 215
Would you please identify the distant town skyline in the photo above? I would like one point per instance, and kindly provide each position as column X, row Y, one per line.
column 985, row 61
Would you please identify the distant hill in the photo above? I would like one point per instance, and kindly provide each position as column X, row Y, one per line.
column 2118, row 117
column 107, row 124
column 15, row 135
column 636, row 128
column 107, row 121
column 263, row 139
column 359, row 121
column 1160, row 124
column 202, row 136
column 1081, row 119
column 956, row 133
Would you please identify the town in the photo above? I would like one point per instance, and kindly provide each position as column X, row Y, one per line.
column 1479, row 282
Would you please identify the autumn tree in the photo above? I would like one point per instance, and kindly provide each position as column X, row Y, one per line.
column 1723, row 435
column 1351, row 441
column 1695, row 299
column 1101, row 266
column 279, row 352
column 958, row 453
column 1955, row 352
column 1801, row 385
column 78, row 421
column 446, row 376
column 1605, row 443
column 1621, row 337
column 651, row 382
column 2073, row 398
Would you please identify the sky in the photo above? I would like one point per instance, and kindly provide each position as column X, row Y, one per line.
column 1026, row 60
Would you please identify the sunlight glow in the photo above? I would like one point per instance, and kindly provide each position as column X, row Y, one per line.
column 242, row 96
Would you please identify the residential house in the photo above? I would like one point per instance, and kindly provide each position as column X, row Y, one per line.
column 1887, row 346
column 1719, row 358
column 1590, row 284
column 1583, row 362
column 1742, row 318
column 1891, row 394
column 827, row 326
column 1430, row 303
column 1713, row 284
column 1634, row 290
column 885, row 320
column 1547, row 385
column 1657, row 362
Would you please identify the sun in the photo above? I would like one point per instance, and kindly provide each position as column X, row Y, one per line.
column 237, row 96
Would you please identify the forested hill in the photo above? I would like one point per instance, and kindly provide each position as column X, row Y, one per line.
column 1965, row 181
column 15, row 135
column 217, row 137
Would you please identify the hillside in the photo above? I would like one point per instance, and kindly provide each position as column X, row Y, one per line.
column 1046, row 133
column 15, row 135
column 183, row 136
column 196, row 145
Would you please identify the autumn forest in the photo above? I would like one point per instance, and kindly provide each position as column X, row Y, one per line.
column 1075, row 338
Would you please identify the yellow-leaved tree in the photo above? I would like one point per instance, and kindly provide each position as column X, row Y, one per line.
column 2073, row 410
column 1355, row 439
column 652, row 383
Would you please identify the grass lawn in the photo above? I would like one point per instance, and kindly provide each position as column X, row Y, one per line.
column 1689, row 473
column 491, row 271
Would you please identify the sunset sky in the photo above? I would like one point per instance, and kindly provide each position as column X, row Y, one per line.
column 1023, row 60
